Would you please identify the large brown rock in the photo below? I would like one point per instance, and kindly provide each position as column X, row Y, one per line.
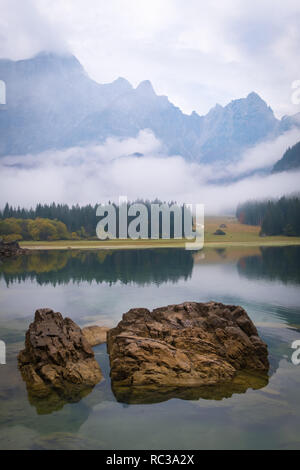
column 184, row 345
column 57, row 358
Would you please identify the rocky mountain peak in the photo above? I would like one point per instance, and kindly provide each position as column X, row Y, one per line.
column 145, row 88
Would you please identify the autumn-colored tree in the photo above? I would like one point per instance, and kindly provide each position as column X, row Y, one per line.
column 38, row 230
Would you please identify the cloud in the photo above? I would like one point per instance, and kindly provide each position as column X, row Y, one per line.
column 198, row 53
column 104, row 172
column 25, row 30
column 262, row 156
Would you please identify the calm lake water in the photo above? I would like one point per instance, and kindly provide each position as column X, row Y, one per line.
column 97, row 288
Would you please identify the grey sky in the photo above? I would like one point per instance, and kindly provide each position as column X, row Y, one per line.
column 196, row 52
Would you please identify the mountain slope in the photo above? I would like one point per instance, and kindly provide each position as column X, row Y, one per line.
column 53, row 104
column 290, row 160
column 47, row 96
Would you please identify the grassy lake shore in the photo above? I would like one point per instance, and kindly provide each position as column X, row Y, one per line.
column 145, row 244
column 236, row 234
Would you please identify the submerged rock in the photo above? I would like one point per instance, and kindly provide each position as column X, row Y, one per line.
column 95, row 335
column 188, row 345
column 57, row 359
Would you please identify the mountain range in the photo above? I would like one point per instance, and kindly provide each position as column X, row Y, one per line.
column 53, row 104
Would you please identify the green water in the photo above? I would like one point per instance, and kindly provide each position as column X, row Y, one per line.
column 97, row 288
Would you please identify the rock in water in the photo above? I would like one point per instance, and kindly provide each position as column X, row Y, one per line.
column 95, row 335
column 10, row 249
column 57, row 358
column 186, row 345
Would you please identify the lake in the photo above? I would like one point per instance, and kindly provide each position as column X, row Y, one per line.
column 97, row 288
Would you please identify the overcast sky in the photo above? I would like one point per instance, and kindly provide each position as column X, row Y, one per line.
column 196, row 52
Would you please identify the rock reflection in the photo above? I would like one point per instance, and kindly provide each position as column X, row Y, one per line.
column 242, row 382
column 55, row 400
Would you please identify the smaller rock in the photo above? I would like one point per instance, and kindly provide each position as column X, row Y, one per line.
column 57, row 358
column 10, row 249
column 95, row 335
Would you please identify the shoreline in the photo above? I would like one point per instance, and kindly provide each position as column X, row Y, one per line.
column 62, row 246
